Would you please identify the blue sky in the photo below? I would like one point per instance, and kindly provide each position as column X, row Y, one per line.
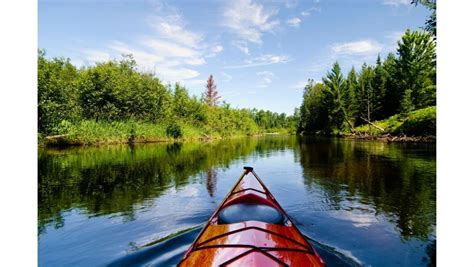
column 261, row 53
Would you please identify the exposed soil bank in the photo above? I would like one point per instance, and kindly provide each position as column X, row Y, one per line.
column 390, row 138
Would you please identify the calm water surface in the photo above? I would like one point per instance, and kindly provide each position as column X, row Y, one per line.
column 363, row 203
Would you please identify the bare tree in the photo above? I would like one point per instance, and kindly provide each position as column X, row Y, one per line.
column 211, row 96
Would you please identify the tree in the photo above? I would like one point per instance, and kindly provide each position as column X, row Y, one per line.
column 211, row 97
column 57, row 93
column 334, row 99
column 416, row 67
column 365, row 93
column 380, row 80
column 407, row 103
column 393, row 92
column 430, row 23
column 314, row 116
column 350, row 94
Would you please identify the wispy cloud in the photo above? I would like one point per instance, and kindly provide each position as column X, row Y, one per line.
column 362, row 47
column 92, row 56
column 171, row 51
column 249, row 20
column 172, row 27
column 392, row 39
column 396, row 2
column 299, row 85
column 242, row 46
column 305, row 13
column 291, row 3
column 267, row 59
column 226, row 77
column 265, row 78
column 294, row 22
column 215, row 50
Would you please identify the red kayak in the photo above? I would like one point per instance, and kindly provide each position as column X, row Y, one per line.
column 250, row 229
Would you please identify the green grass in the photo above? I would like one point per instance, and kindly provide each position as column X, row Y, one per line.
column 416, row 123
column 91, row 132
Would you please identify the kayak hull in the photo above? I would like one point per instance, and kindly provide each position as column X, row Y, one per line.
column 250, row 242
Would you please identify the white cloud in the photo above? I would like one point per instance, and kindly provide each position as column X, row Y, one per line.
column 294, row 22
column 249, row 20
column 263, row 60
column 362, row 47
column 305, row 13
column 93, row 56
column 242, row 46
column 392, row 38
column 290, row 3
column 170, row 52
column 396, row 2
column 172, row 28
column 299, row 85
column 170, row 49
column 226, row 77
column 217, row 49
column 395, row 35
column 265, row 78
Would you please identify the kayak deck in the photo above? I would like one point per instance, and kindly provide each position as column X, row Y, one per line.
column 250, row 242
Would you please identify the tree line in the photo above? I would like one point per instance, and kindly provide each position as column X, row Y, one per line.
column 398, row 84
column 117, row 91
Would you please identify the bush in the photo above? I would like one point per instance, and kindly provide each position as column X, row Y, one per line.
column 174, row 130
column 419, row 122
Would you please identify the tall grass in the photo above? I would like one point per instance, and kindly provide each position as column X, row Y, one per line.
column 416, row 123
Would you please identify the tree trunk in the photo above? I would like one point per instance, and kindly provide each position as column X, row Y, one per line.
column 377, row 127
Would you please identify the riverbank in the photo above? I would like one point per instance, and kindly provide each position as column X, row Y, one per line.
column 416, row 126
column 90, row 132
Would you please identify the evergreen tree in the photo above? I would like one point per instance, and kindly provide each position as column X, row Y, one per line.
column 314, row 115
column 350, row 99
column 416, row 67
column 430, row 23
column 393, row 92
column 334, row 97
column 365, row 94
column 211, row 96
column 407, row 103
column 380, row 80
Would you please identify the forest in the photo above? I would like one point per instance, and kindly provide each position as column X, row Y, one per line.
column 396, row 96
column 112, row 102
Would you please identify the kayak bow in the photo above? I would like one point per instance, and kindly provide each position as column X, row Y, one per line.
column 250, row 229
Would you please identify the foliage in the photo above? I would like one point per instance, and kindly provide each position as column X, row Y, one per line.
column 399, row 84
column 174, row 130
column 414, row 123
column 112, row 102
column 419, row 122
column 57, row 92
column 430, row 23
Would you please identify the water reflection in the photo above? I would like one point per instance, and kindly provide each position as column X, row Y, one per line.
column 371, row 200
column 365, row 178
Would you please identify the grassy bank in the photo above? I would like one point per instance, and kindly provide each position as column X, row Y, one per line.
column 421, row 122
column 91, row 132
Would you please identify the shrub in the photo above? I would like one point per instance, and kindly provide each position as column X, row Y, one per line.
column 174, row 130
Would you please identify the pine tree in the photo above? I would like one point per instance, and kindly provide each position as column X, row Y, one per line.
column 407, row 103
column 334, row 97
column 416, row 67
column 365, row 94
column 393, row 93
column 380, row 79
column 350, row 94
column 211, row 96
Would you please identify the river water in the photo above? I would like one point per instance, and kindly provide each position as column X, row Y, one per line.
column 361, row 202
